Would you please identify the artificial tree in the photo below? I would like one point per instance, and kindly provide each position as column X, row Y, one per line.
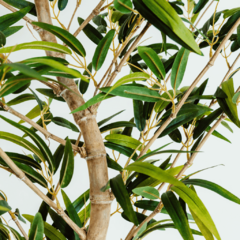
column 161, row 110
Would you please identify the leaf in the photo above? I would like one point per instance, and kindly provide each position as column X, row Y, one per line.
column 168, row 16
column 179, row 67
column 83, row 86
column 16, row 157
column 226, row 125
column 67, row 165
column 4, row 207
column 37, row 140
column 199, row 6
column 197, row 207
column 38, row 45
column 137, row 76
column 37, row 99
column 154, row 172
column 80, row 201
column 134, row 91
column 84, row 215
column 121, row 194
column 113, row 165
column 65, row 123
column 205, row 122
column 153, row 61
column 62, row 4
column 213, row 187
column 37, row 228
column 147, row 192
column 49, row 231
column 49, row 93
column 116, row 125
column 176, row 136
column 235, row 98
column 138, row 115
column 56, row 65
column 2, row 39
column 92, row 33
column 96, row 99
column 177, row 214
column 102, row 50
column 121, row 149
column 108, row 119
column 20, row 99
column 11, row 30
column 123, row 6
column 65, row 36
column 218, row 135
column 124, row 140
column 11, row 18
column 71, row 212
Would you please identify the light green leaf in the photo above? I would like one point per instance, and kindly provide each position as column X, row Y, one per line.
column 37, row 228
column 123, row 6
column 147, row 192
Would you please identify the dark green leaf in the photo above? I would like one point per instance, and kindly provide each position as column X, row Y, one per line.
column 37, row 228
column 138, row 115
column 20, row 99
column 199, row 6
column 113, row 165
column 4, row 207
column 83, row 86
column 37, row 98
column 116, row 125
column 2, row 39
column 49, row 93
column 11, row 30
column 80, row 201
column 65, row 123
column 108, row 119
column 62, row 4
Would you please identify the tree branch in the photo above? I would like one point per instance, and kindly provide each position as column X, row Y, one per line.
column 81, row 233
column 42, row 130
column 95, row 12
column 184, row 98
column 14, row 218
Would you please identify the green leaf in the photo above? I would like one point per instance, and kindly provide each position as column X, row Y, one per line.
column 80, row 201
column 199, row 6
column 121, row 149
column 147, row 192
column 98, row 98
column 121, row 194
column 71, row 212
column 49, row 93
column 179, row 67
column 218, row 135
column 84, row 215
column 62, row 4
column 164, row 11
column 137, row 76
column 154, row 172
column 11, row 30
column 65, row 123
column 108, row 119
column 65, row 36
column 20, row 99
column 197, row 207
column 11, row 18
column 56, row 65
column 134, row 91
column 205, row 122
column 37, row 228
column 67, row 165
column 213, row 187
column 236, row 97
column 4, row 207
column 176, row 136
column 226, row 125
column 16, row 157
column 177, row 214
column 138, row 115
column 116, row 125
column 83, row 86
column 123, row 6
column 35, row 112
column 49, row 231
column 153, row 61
column 113, row 165
column 37, row 99
column 102, row 50
column 38, row 45
column 2, row 39
column 92, row 33
column 124, row 140
column 22, row 4
column 37, row 140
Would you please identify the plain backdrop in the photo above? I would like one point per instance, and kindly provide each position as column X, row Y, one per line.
column 225, row 214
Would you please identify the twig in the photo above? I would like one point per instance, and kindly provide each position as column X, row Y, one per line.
column 14, row 218
column 184, row 98
column 75, row 10
column 40, row 129
column 95, row 12
column 81, row 233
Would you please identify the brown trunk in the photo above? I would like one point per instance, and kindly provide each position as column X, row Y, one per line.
column 96, row 154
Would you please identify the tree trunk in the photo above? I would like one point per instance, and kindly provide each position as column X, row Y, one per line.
column 95, row 149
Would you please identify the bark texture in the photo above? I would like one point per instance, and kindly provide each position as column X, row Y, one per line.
column 96, row 154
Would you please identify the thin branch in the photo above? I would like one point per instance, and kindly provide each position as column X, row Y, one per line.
column 75, row 10
column 204, row 12
column 14, row 218
column 184, row 98
column 42, row 130
column 12, row 9
column 81, row 233
column 95, row 12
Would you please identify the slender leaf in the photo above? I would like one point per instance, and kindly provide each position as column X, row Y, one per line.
column 65, row 123
column 37, row 228
column 108, row 118
column 147, row 192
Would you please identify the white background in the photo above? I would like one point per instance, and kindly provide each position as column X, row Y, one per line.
column 225, row 214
